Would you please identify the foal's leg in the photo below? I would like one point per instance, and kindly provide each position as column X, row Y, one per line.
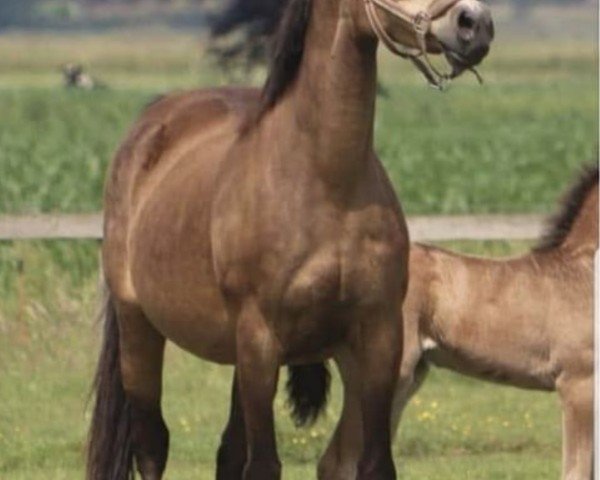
column 578, row 433
column 340, row 460
column 231, row 457
column 411, row 380
column 142, row 352
column 258, row 368
column 377, row 347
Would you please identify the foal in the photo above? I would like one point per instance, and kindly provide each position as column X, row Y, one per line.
column 259, row 229
column 525, row 321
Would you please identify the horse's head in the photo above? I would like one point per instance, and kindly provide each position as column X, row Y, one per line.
column 460, row 29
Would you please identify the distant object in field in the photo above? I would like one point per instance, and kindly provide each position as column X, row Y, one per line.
column 75, row 77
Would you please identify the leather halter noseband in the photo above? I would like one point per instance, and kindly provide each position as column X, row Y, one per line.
column 421, row 23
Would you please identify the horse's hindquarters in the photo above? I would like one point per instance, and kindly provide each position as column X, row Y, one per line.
column 157, row 249
column 172, row 269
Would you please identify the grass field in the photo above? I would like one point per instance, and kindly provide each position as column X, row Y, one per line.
column 456, row 428
column 530, row 126
column 509, row 146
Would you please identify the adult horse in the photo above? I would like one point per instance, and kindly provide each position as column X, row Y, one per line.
column 525, row 322
column 259, row 229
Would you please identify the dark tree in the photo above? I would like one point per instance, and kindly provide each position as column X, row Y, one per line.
column 261, row 15
column 249, row 23
column 15, row 12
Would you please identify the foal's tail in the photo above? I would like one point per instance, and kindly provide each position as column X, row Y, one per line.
column 109, row 452
column 308, row 389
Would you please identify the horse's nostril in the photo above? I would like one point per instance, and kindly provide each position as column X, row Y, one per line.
column 466, row 20
column 490, row 29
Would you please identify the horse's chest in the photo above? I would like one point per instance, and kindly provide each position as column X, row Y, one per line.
column 335, row 280
column 314, row 285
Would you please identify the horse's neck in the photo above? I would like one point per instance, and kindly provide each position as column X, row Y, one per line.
column 333, row 99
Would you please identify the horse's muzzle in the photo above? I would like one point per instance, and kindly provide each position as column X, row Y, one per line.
column 474, row 32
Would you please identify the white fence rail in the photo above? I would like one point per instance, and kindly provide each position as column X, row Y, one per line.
column 422, row 228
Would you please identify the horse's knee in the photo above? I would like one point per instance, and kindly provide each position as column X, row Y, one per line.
column 578, row 430
column 231, row 456
column 230, row 462
column 383, row 470
column 259, row 469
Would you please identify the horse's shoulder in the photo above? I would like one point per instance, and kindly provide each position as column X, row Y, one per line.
column 170, row 120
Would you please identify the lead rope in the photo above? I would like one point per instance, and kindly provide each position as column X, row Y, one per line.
column 420, row 24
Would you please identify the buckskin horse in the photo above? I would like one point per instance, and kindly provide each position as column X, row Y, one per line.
column 258, row 228
column 525, row 321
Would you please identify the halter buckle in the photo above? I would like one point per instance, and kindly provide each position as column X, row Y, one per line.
column 421, row 23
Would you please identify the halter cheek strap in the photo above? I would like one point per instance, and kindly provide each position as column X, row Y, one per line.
column 420, row 23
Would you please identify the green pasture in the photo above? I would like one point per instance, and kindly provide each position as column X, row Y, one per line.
column 455, row 428
column 511, row 145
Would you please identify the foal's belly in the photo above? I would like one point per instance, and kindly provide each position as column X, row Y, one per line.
column 508, row 367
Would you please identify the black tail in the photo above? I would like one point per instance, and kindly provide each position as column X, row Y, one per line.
column 308, row 389
column 109, row 454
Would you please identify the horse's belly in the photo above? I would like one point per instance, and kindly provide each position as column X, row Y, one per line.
column 173, row 279
column 510, row 367
column 208, row 335
column 188, row 310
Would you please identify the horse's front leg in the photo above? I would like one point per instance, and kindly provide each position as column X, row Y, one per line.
column 340, row 460
column 231, row 456
column 578, row 428
column 344, row 451
column 376, row 343
column 257, row 375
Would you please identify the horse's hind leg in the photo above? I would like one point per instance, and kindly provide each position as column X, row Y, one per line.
column 142, row 353
column 578, row 432
column 231, row 456
column 257, row 375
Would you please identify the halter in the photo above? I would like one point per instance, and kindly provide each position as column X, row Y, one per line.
column 421, row 23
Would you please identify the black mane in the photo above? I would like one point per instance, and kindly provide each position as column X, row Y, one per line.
column 253, row 21
column 287, row 52
column 560, row 224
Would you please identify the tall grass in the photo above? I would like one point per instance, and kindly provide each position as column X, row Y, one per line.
column 500, row 148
